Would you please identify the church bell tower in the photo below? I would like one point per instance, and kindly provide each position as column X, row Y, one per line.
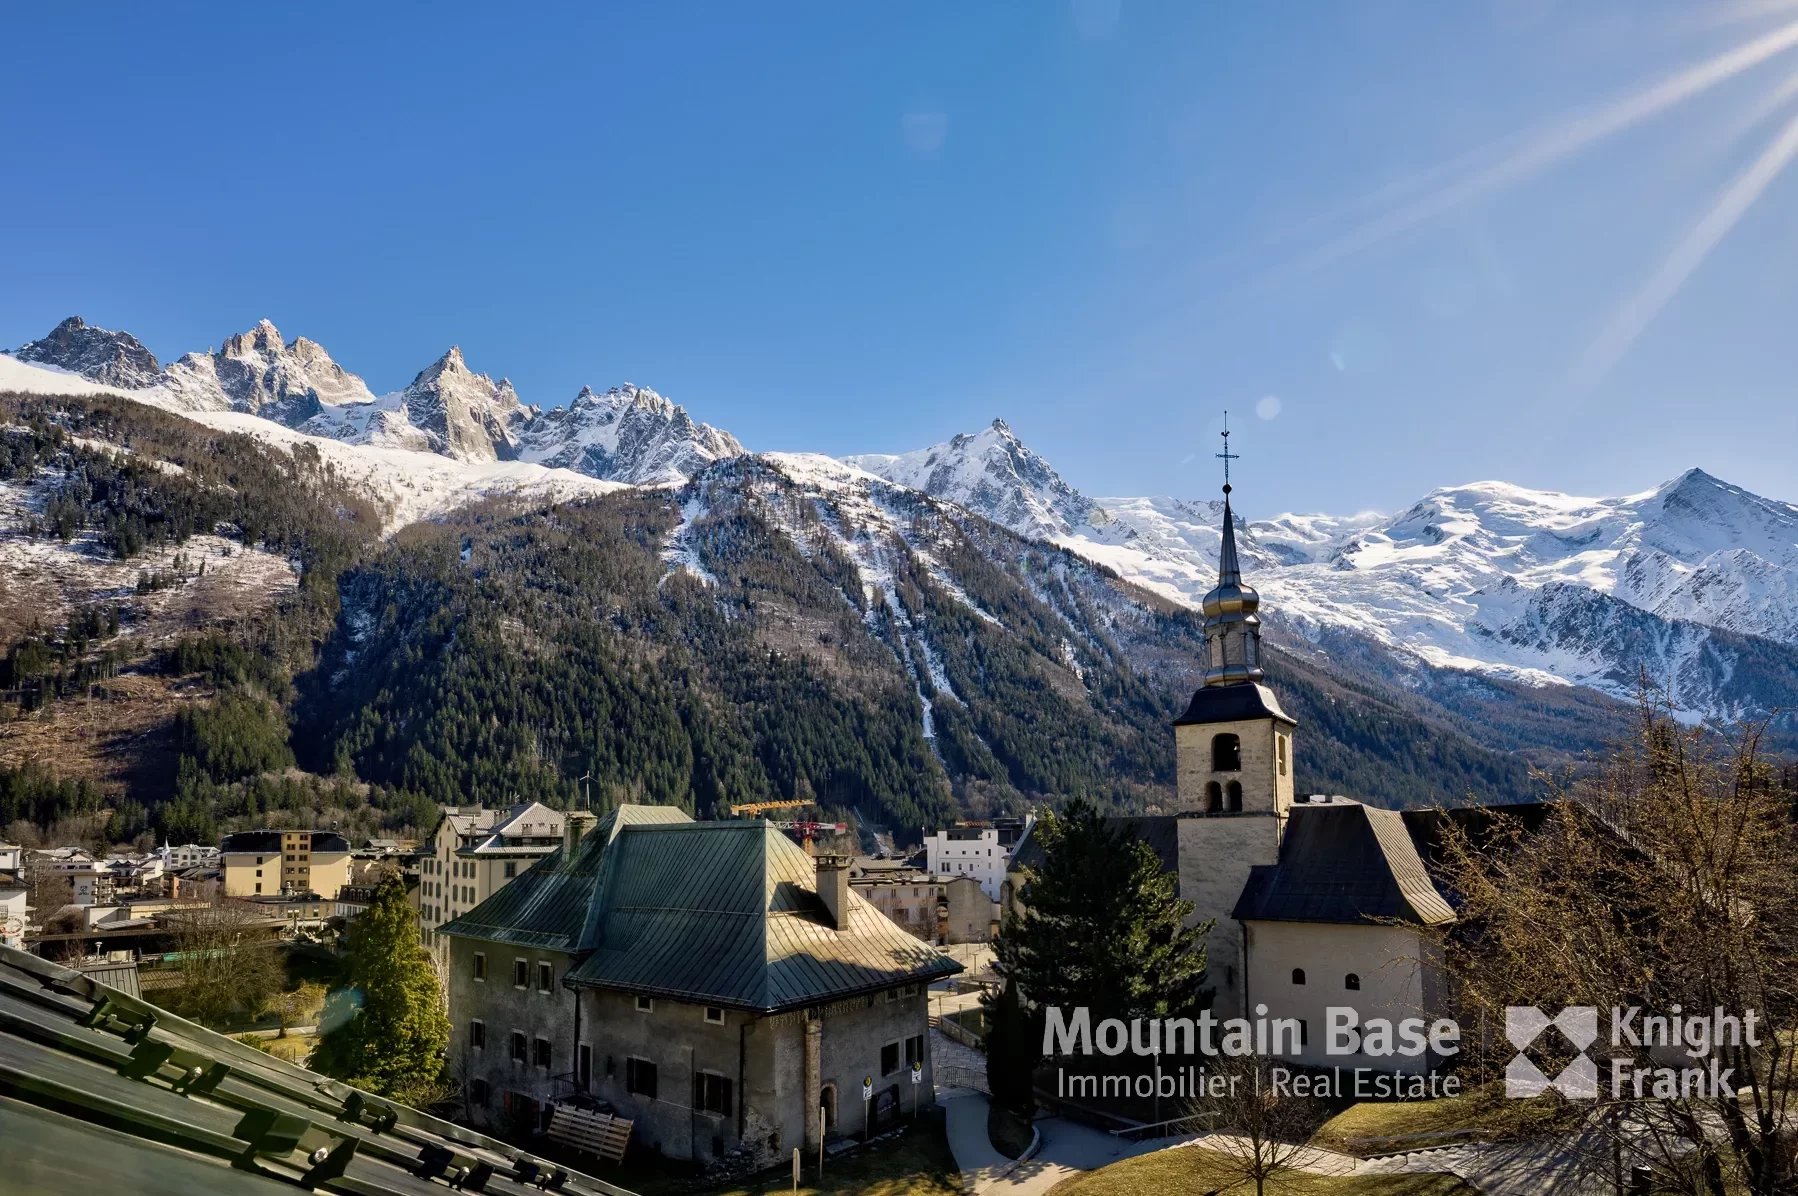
column 1233, row 766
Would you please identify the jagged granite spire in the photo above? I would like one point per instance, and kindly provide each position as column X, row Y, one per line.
column 1232, row 628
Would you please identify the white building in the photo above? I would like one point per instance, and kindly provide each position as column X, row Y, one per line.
column 13, row 911
column 188, row 855
column 981, row 850
column 12, row 857
column 474, row 853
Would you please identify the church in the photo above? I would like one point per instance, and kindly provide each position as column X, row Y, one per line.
column 1316, row 901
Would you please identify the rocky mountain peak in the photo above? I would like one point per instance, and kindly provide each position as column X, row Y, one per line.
column 992, row 473
column 627, row 433
column 97, row 354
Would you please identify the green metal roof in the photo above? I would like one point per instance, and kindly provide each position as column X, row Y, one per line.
column 545, row 906
column 717, row 913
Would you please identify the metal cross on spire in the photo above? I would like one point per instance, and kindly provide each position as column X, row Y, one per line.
column 1227, row 456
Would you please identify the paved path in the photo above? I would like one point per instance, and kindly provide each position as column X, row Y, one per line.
column 1067, row 1148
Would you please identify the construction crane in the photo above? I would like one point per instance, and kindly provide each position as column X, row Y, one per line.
column 756, row 809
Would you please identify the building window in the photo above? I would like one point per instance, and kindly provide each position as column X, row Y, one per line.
column 1280, row 742
column 1226, row 753
column 546, row 977
column 521, row 973
column 511, row 869
column 640, row 1077
column 1298, row 975
column 540, row 1053
column 914, row 1050
column 1214, row 797
column 583, row 1066
column 477, row 1034
column 646, row 1004
column 518, row 1046
column 889, row 1058
column 480, row 965
column 711, row 1093
column 1233, row 797
column 1352, row 982
column 477, row 1092
column 714, row 1015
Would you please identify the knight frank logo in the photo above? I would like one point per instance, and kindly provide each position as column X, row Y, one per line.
column 1578, row 1024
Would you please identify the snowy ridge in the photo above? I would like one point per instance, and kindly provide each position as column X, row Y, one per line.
column 407, row 486
column 629, row 434
column 1525, row 585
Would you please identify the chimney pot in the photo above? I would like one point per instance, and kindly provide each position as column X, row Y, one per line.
column 833, row 888
column 575, row 825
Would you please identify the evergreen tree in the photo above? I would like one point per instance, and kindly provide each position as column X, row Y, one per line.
column 1102, row 927
column 1013, row 1042
column 395, row 1043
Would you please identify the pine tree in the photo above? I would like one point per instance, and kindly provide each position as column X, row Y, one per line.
column 395, row 1043
column 1102, row 927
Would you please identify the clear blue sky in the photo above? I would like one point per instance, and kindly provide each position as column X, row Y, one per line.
column 864, row 227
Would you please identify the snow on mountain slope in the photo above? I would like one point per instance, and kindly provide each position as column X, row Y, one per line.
column 98, row 354
column 259, row 373
column 628, row 434
column 407, row 485
column 992, row 473
column 1528, row 585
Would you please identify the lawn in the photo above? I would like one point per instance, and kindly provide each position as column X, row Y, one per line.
column 1192, row 1169
column 916, row 1164
column 1481, row 1115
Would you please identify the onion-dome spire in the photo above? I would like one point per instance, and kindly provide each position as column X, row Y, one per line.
column 1232, row 628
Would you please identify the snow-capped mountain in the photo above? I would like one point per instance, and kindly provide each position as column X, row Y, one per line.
column 448, row 409
column 628, row 434
column 992, row 473
column 98, row 354
column 404, row 485
column 1695, row 582
column 259, row 373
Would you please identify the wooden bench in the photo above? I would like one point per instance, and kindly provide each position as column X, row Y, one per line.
column 590, row 1131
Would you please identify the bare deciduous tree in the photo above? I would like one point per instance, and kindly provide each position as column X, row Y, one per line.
column 230, row 961
column 1259, row 1127
column 1662, row 882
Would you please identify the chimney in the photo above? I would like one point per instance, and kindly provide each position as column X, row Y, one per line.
column 575, row 825
column 833, row 888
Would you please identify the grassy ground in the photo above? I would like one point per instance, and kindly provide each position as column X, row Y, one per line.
column 1481, row 1115
column 917, row 1164
column 1191, row 1169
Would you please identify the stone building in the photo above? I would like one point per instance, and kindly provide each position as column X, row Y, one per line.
column 709, row 980
column 938, row 909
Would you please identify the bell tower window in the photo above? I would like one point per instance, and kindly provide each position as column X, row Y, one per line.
column 1214, row 797
column 1226, row 753
column 1233, row 797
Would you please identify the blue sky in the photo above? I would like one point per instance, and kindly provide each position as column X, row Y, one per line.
column 865, row 227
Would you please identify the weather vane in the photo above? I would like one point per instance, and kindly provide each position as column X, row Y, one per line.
column 1227, row 455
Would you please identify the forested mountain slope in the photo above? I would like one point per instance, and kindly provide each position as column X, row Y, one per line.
column 779, row 625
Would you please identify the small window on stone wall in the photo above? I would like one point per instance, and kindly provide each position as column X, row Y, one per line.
column 1298, row 975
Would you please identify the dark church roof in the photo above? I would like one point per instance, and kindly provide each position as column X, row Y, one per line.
column 1344, row 862
column 1233, row 703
